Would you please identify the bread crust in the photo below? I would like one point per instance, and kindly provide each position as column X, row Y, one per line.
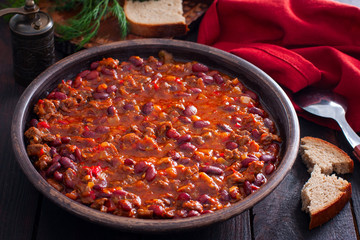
column 346, row 159
column 173, row 29
column 327, row 213
column 166, row 30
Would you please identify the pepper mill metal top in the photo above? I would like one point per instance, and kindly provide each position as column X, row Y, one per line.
column 32, row 23
column 32, row 34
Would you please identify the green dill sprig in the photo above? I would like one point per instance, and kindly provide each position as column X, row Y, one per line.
column 87, row 22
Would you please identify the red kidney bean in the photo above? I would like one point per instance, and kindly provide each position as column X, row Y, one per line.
column 273, row 148
column 58, row 176
column 56, row 158
column 184, row 161
column 225, row 127
column 231, row 145
column 56, row 142
column 129, row 106
column 267, row 158
column 174, row 155
column 251, row 94
column 121, row 193
column 67, row 163
column 89, row 134
column 84, row 73
column 102, row 129
column 129, row 162
column 33, row 123
column 207, row 211
column 218, row 78
column 230, row 108
column 60, row 96
column 224, row 195
column 269, row 124
column 125, row 205
column 150, row 173
column 200, row 74
column 157, row 210
column 55, row 166
column 255, row 134
column 188, row 147
column 184, row 138
column 53, row 151
column 100, row 185
column 247, row 187
column 92, row 75
column 109, row 72
column 208, row 80
column 77, row 82
column 260, row 179
column 172, row 133
column 103, row 195
column 193, row 213
column 141, row 167
column 147, row 108
column 211, row 170
column 78, row 155
column 111, row 111
column 190, row 111
column 184, row 197
column 204, row 198
column 269, row 169
column 201, row 124
column 72, row 157
column 94, row 65
column 258, row 111
column 195, row 90
column 111, row 89
column 136, row 61
column 184, row 119
column 248, row 160
column 65, row 140
column 100, row 95
column 198, row 67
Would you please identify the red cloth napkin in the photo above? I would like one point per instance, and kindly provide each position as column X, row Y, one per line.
column 298, row 43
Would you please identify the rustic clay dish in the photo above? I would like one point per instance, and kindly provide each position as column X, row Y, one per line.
column 272, row 96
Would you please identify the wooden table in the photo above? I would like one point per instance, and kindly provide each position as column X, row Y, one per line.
column 26, row 214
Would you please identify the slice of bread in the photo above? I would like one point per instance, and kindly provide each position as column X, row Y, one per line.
column 327, row 156
column 324, row 196
column 155, row 18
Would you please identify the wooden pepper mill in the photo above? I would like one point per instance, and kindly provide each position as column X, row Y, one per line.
column 32, row 35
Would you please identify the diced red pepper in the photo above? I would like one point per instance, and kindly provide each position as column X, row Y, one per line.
column 41, row 152
column 92, row 195
column 40, row 101
column 156, row 87
column 63, row 122
column 95, row 170
column 43, row 125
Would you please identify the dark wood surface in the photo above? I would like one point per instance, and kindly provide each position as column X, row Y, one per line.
column 26, row 214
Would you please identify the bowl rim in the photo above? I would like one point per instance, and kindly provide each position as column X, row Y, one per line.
column 149, row 225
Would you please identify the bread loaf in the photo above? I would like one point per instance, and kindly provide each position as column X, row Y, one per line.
column 324, row 196
column 155, row 18
column 327, row 156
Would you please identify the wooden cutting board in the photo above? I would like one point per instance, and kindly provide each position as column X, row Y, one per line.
column 109, row 30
